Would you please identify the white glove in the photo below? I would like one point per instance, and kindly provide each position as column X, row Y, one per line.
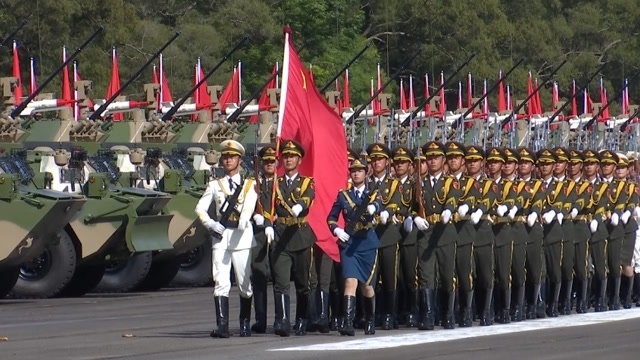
column 560, row 217
column 573, row 213
column 625, row 216
column 463, row 210
column 502, row 209
column 243, row 224
column 217, row 227
column 593, row 226
column 615, row 219
column 296, row 209
column 371, row 209
column 208, row 224
column 421, row 223
column 341, row 234
column 475, row 216
column 636, row 212
column 258, row 219
column 384, row 216
column 531, row 219
column 395, row 220
column 408, row 224
column 549, row 216
column 512, row 212
column 446, row 216
column 270, row 234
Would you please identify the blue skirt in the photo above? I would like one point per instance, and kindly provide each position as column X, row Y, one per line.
column 358, row 258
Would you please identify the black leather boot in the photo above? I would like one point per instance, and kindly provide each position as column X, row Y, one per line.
column 505, row 314
column 626, row 283
column 282, row 324
column 565, row 301
column 532, row 301
column 485, row 316
column 582, row 301
column 518, row 307
column 323, row 319
column 412, row 319
column 614, row 298
column 312, row 310
column 260, row 304
column 222, row 318
column 336, row 309
column 389, row 310
column 302, row 308
column 449, row 321
column 465, row 302
column 602, row 297
column 349, row 303
column 552, row 309
column 541, row 307
column 245, row 316
column 427, row 315
column 369, row 314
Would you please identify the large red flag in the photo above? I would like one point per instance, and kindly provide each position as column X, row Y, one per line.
column 114, row 84
column 264, row 100
column 306, row 117
column 17, row 91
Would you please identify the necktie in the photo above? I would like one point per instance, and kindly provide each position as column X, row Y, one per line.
column 231, row 185
column 357, row 194
column 433, row 181
column 289, row 182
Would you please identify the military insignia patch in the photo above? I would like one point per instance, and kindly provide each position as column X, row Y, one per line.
column 495, row 188
column 456, row 185
column 527, row 188
column 476, row 184
column 401, row 188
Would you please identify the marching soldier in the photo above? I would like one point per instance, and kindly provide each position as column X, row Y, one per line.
column 581, row 233
column 504, row 212
column 358, row 245
column 552, row 218
column 293, row 241
column 465, row 227
column 596, row 210
column 519, row 234
column 617, row 199
column 483, row 244
column 436, row 244
column 260, row 255
column 235, row 200
column 534, row 199
column 630, row 227
column 388, row 232
column 402, row 158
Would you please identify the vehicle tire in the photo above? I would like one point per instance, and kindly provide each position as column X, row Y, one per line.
column 160, row 274
column 195, row 269
column 125, row 275
column 8, row 278
column 48, row 274
column 85, row 279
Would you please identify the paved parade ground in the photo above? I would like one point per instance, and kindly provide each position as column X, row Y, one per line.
column 175, row 324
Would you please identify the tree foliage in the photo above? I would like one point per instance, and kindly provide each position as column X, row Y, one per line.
column 544, row 32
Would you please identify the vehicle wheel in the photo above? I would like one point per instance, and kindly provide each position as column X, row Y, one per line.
column 85, row 279
column 8, row 278
column 46, row 275
column 160, row 274
column 125, row 275
column 195, row 269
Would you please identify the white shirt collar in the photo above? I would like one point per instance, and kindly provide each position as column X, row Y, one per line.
column 459, row 176
column 404, row 179
column 376, row 179
column 237, row 179
column 608, row 180
column 436, row 177
column 291, row 178
column 527, row 179
column 560, row 178
column 360, row 189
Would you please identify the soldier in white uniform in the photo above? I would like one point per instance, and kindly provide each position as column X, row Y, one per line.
column 232, row 236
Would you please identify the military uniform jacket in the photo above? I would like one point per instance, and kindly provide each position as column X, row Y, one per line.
column 597, row 208
column 346, row 204
column 470, row 190
column 293, row 234
column 406, row 193
column 265, row 191
column 617, row 197
column 488, row 200
column 502, row 230
column 633, row 201
column 554, row 199
column 387, row 189
column 522, row 192
column 443, row 195
column 571, row 196
column 583, row 191
column 216, row 194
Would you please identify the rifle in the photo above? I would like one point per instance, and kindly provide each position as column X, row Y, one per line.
column 230, row 202
column 23, row 105
column 624, row 125
column 13, row 33
column 98, row 113
column 424, row 102
column 602, row 109
column 534, row 92
column 258, row 185
column 345, row 67
column 184, row 98
column 421, row 210
column 375, row 95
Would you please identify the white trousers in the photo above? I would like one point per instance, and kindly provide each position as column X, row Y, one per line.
column 222, row 259
column 636, row 254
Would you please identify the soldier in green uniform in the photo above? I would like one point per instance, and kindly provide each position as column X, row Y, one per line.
column 630, row 226
column 519, row 234
column 402, row 158
column 569, row 212
column 388, row 232
column 597, row 212
column 581, row 233
column 292, row 248
column 617, row 198
column 470, row 190
column 483, row 256
column 260, row 255
column 533, row 198
column 552, row 218
column 504, row 212
column 436, row 244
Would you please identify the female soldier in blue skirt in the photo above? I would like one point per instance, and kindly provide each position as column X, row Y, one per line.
column 358, row 244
